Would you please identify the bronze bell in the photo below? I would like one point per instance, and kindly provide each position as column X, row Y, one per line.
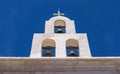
column 48, row 54
column 72, row 54
column 60, row 31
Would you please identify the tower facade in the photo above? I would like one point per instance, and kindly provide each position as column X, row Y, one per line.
column 60, row 40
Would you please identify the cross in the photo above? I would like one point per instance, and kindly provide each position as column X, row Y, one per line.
column 58, row 13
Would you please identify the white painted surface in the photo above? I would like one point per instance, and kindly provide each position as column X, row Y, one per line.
column 60, row 39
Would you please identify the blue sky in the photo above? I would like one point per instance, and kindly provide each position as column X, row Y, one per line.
column 20, row 19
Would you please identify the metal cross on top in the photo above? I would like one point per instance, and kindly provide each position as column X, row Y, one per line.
column 58, row 13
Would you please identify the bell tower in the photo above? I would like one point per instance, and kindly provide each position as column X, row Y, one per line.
column 60, row 40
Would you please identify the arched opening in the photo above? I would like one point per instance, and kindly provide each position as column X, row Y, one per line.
column 48, row 48
column 72, row 48
column 59, row 26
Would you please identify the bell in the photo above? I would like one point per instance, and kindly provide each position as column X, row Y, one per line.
column 48, row 54
column 72, row 54
column 60, row 31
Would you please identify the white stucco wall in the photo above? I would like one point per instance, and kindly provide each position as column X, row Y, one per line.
column 49, row 25
column 60, row 39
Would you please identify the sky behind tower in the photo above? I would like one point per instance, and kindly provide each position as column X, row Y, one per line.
column 20, row 19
